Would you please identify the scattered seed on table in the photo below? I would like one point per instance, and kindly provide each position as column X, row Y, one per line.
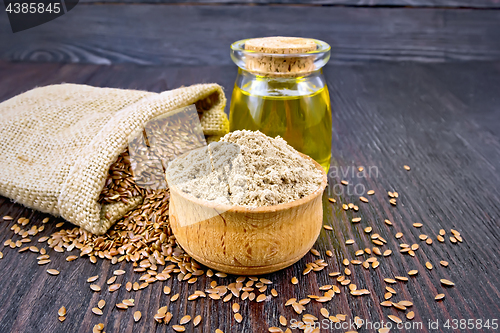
column 444, row 263
column 387, row 253
column 370, row 192
column 261, row 298
column 119, row 272
column 166, row 290
column 329, row 253
column 332, row 200
column 368, row 230
column 93, row 278
column 196, row 320
column 439, row 297
column 417, row 225
column 440, row 238
column 344, row 182
column 388, row 222
column 428, row 265
column 410, row 315
column 349, row 241
column 114, row 287
column 428, row 241
column 384, row 330
column 101, row 304
column 121, row 306
column 447, row 282
column 128, row 286
column 399, row 306
column 295, row 280
column 395, row 319
column 345, row 207
column 453, row 240
column 389, row 280
column 315, row 252
column 391, row 290
column 327, row 227
column 386, row 303
column 176, row 296
column 95, row 287
column 356, row 219
column 345, row 262
column 363, row 199
column 399, row 235
column 61, row 319
column 274, row 293
column 97, row 311
column 324, row 312
column 8, row 218
column 283, row 321
column 236, row 307
column 179, row 328
column 111, row 280
column 184, row 320
column 401, row 278
column 137, row 316
column 129, row 302
column 44, row 262
column 238, row 317
column 413, row 272
column 62, row 312
column 53, row 271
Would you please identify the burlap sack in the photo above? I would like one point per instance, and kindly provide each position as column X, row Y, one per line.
column 58, row 142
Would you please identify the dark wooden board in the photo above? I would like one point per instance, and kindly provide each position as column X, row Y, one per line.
column 384, row 115
column 370, row 3
column 201, row 35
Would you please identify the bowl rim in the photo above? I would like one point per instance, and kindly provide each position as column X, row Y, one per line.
column 261, row 209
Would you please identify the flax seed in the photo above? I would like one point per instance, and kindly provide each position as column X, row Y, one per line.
column 97, row 311
column 447, row 282
column 184, row 320
column 137, row 316
column 395, row 319
column 238, row 317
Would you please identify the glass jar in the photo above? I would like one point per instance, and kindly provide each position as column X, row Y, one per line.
column 280, row 90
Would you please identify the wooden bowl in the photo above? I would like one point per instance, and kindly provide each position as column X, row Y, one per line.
column 246, row 241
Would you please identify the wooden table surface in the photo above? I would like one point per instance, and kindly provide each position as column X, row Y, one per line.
column 443, row 120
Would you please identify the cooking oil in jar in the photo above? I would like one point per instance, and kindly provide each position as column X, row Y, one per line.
column 296, row 109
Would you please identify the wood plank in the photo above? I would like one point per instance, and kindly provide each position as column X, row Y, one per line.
column 201, row 35
column 367, row 3
column 384, row 115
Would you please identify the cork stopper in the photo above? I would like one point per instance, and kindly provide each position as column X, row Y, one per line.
column 280, row 45
column 270, row 57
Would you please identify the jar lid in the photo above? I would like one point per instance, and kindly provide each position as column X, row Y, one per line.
column 280, row 56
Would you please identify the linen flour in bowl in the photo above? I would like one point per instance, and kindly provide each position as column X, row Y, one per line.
column 249, row 204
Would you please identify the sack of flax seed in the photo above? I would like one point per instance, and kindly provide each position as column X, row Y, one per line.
column 58, row 142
